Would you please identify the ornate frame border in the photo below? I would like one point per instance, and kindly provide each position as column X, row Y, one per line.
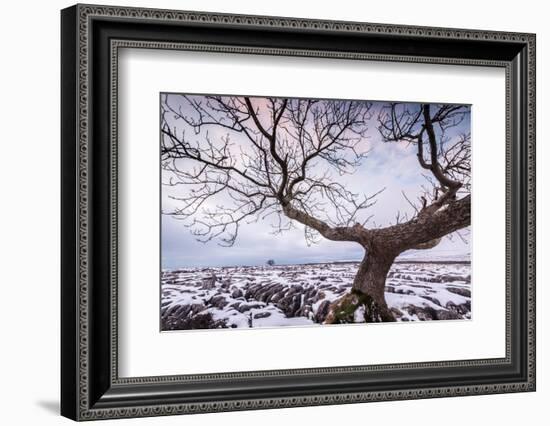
column 82, row 407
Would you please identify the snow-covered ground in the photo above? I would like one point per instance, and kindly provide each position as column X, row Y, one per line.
column 296, row 295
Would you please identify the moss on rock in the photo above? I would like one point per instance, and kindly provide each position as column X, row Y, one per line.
column 343, row 310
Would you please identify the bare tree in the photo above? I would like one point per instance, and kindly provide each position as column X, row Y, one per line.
column 281, row 165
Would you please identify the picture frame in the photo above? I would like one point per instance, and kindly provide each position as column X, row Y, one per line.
column 91, row 37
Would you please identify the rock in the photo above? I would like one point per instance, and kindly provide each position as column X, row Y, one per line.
column 179, row 311
column 451, row 307
column 304, row 311
column 262, row 315
column 466, row 307
column 252, row 290
column 236, row 293
column 248, row 306
column 201, row 321
column 396, row 312
column 290, row 304
column 343, row 310
column 196, row 308
column 447, row 278
column 447, row 315
column 209, row 282
column 277, row 296
column 461, row 291
column 296, row 304
column 462, row 309
column 183, row 311
column 235, row 305
column 432, row 299
column 267, row 293
column 322, row 311
column 218, row 301
column 319, row 295
column 424, row 313
column 292, row 290
column 310, row 292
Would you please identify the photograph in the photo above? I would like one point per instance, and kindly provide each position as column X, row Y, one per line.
column 299, row 212
column 272, row 208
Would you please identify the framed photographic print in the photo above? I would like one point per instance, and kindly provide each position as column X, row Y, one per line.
column 263, row 212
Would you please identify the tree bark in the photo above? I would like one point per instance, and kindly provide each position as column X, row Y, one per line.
column 382, row 246
column 370, row 281
column 366, row 297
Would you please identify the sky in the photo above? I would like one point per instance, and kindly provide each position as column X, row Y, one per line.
column 390, row 166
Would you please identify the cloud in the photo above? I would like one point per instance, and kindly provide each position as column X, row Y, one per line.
column 392, row 166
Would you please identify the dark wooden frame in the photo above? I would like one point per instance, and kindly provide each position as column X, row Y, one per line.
column 91, row 37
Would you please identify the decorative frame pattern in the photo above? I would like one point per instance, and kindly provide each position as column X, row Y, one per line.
column 107, row 395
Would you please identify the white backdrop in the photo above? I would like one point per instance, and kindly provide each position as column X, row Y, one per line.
column 29, row 225
column 141, row 345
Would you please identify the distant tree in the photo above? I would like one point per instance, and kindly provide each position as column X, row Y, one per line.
column 279, row 166
column 270, row 262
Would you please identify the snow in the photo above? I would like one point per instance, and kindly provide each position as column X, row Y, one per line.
column 359, row 314
column 293, row 295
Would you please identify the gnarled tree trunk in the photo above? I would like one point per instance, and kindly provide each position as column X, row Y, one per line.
column 371, row 282
column 366, row 298
column 382, row 247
